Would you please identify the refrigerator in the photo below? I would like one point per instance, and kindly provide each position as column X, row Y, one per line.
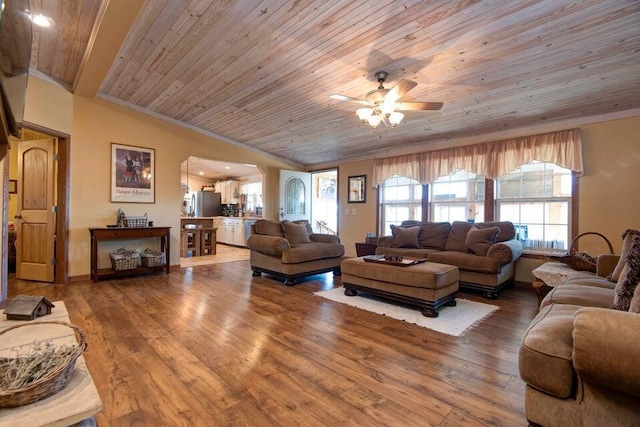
column 206, row 203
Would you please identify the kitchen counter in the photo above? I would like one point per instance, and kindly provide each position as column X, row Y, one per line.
column 232, row 230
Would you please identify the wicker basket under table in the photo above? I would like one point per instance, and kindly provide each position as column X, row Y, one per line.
column 124, row 260
column 152, row 258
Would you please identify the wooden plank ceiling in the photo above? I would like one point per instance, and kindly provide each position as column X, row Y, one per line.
column 260, row 72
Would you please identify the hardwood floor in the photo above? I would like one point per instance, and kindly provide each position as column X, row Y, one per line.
column 224, row 253
column 212, row 345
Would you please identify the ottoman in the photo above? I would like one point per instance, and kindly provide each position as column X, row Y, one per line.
column 427, row 285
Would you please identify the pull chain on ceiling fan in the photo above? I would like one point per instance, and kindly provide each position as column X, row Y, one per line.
column 383, row 104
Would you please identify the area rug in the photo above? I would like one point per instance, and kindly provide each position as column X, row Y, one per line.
column 451, row 320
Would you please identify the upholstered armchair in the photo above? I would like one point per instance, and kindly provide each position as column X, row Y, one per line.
column 290, row 249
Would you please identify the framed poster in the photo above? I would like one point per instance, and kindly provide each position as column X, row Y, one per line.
column 132, row 174
column 13, row 186
column 357, row 189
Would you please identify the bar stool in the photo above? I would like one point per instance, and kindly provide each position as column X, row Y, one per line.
column 208, row 241
column 189, row 242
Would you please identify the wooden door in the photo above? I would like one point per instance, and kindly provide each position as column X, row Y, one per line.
column 35, row 219
column 295, row 195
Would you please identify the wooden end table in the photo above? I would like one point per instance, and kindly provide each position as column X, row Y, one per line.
column 548, row 276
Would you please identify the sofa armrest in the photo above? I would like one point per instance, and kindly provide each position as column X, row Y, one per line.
column 605, row 264
column 324, row 238
column 386, row 241
column 505, row 252
column 268, row 245
column 606, row 348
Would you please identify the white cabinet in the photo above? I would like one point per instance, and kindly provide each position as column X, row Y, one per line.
column 229, row 190
column 231, row 231
column 218, row 224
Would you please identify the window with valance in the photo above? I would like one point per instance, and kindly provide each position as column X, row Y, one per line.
column 490, row 159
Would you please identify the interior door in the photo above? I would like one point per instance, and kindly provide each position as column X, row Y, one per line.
column 295, row 195
column 35, row 219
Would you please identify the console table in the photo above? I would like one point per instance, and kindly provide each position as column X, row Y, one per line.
column 119, row 233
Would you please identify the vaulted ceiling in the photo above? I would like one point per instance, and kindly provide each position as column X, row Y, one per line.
column 259, row 73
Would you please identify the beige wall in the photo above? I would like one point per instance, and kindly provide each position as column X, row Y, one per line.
column 93, row 125
column 354, row 227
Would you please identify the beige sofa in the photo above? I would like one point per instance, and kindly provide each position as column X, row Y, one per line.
column 290, row 249
column 579, row 357
column 485, row 253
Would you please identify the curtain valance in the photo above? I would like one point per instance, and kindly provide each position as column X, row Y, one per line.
column 491, row 159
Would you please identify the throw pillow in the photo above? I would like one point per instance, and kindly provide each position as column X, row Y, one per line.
column 479, row 240
column 629, row 277
column 457, row 236
column 627, row 237
column 296, row 233
column 406, row 237
column 306, row 224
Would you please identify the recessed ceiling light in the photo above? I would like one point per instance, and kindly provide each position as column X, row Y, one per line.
column 227, row 167
column 200, row 173
column 41, row 20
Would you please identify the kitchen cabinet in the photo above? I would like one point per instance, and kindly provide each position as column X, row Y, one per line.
column 229, row 190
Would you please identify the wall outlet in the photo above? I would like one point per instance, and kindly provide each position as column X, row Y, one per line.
column 346, row 211
column 354, row 211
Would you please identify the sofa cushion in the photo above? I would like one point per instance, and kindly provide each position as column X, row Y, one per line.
column 304, row 252
column 406, row 237
column 466, row 261
column 433, row 234
column 296, row 232
column 579, row 294
column 270, row 228
column 545, row 358
column 627, row 238
column 457, row 236
column 586, row 278
column 507, row 229
column 479, row 240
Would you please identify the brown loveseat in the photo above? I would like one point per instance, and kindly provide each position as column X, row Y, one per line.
column 579, row 357
column 485, row 253
column 291, row 249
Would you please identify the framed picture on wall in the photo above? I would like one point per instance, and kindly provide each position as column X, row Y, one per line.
column 132, row 174
column 13, row 186
column 357, row 189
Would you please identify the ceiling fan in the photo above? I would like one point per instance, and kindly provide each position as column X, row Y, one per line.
column 382, row 103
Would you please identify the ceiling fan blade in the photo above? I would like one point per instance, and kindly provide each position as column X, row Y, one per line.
column 348, row 98
column 419, row 105
column 400, row 89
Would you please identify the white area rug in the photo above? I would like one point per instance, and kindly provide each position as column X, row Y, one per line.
column 451, row 321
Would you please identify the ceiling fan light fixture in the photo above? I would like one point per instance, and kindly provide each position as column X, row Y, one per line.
column 364, row 114
column 395, row 118
column 374, row 120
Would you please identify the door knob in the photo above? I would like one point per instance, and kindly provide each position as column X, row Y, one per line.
column 17, row 216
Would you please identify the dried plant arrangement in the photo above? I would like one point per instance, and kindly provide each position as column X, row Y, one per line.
column 37, row 371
